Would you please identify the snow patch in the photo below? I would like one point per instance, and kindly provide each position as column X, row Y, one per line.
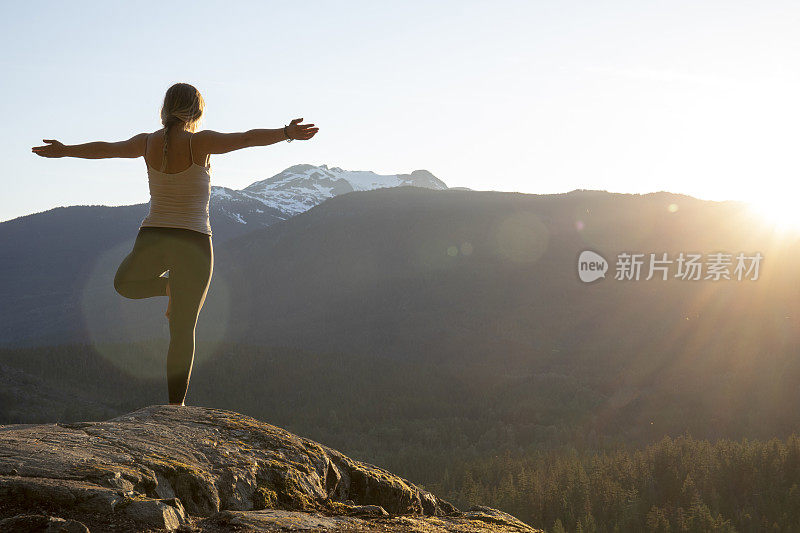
column 301, row 187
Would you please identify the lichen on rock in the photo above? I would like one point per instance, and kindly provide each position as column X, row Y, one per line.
column 166, row 466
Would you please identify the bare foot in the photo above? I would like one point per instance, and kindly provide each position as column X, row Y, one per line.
column 169, row 304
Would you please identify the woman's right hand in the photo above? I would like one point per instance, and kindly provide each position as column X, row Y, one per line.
column 53, row 149
column 299, row 131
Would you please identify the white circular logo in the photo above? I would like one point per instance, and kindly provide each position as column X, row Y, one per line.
column 591, row 266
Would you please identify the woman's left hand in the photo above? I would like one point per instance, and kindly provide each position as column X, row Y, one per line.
column 53, row 149
column 301, row 132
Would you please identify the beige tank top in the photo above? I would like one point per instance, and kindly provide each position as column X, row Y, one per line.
column 179, row 199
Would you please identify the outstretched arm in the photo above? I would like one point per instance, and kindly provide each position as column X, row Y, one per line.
column 214, row 142
column 133, row 147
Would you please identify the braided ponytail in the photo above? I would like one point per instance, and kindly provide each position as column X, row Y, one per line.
column 182, row 104
column 166, row 142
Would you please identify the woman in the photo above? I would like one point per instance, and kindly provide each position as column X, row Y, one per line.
column 175, row 236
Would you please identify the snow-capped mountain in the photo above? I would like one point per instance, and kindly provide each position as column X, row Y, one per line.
column 301, row 187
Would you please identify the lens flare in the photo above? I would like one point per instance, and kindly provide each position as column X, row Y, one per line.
column 521, row 237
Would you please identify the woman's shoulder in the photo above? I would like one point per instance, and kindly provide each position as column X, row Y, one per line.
column 205, row 134
column 155, row 134
column 202, row 140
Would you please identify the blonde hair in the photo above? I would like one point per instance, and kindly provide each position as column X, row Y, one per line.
column 183, row 105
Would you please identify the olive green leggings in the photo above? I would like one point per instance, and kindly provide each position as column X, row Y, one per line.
column 189, row 257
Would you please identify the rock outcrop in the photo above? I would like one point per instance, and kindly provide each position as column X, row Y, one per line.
column 191, row 468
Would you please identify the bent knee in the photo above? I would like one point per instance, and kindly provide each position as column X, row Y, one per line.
column 121, row 287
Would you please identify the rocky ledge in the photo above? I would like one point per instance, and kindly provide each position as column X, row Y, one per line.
column 208, row 470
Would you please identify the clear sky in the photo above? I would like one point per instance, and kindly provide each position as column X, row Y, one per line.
column 697, row 97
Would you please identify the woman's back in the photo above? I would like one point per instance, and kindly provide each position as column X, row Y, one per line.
column 181, row 153
column 180, row 194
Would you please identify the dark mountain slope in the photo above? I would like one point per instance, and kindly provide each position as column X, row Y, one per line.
column 480, row 289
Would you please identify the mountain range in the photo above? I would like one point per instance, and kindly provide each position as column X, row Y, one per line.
column 425, row 329
column 469, row 298
column 47, row 258
column 301, row 187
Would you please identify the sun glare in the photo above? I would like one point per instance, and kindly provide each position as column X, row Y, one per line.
column 782, row 212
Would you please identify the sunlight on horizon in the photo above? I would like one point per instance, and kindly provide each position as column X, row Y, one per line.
column 780, row 211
